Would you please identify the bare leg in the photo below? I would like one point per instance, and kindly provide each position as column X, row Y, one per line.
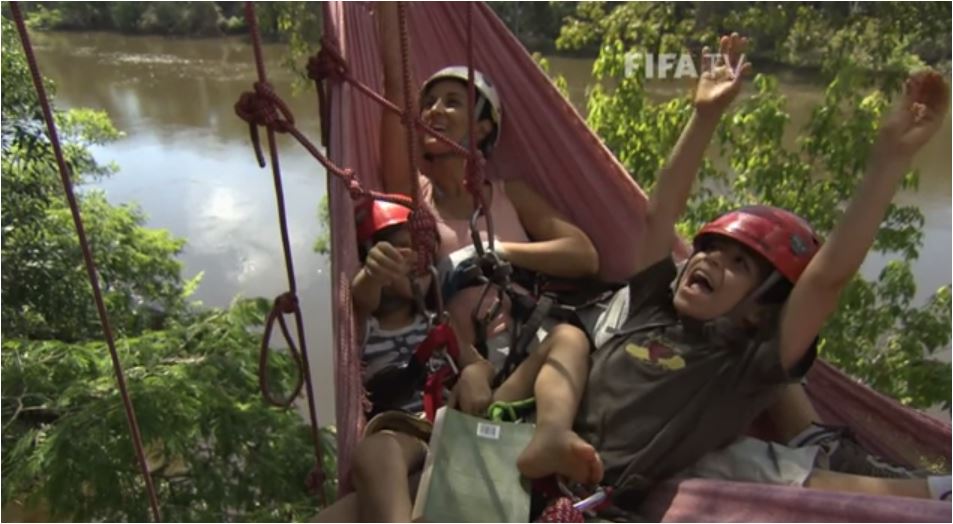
column 563, row 363
column 834, row 481
column 519, row 385
column 343, row 510
column 381, row 466
column 792, row 413
column 347, row 508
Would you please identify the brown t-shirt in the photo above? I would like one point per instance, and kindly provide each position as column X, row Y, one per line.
column 663, row 391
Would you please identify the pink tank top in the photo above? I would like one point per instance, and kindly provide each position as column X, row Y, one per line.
column 455, row 234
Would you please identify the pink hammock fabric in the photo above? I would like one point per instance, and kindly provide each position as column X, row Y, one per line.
column 546, row 143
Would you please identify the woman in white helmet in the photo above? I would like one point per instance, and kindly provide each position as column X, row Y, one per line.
column 558, row 248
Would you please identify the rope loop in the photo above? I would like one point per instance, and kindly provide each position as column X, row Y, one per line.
column 327, row 64
column 284, row 304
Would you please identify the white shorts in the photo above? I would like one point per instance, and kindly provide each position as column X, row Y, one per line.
column 752, row 460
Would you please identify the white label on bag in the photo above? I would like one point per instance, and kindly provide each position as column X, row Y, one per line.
column 490, row 431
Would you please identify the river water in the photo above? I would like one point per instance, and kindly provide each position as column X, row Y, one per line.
column 186, row 160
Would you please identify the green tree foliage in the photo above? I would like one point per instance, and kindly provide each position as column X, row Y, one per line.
column 886, row 37
column 217, row 452
column 298, row 23
column 536, row 24
column 163, row 18
column 558, row 80
column 301, row 24
column 45, row 289
column 653, row 27
column 878, row 334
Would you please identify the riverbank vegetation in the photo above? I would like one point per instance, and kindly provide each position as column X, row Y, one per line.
column 808, row 35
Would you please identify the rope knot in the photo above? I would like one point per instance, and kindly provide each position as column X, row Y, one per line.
column 423, row 232
column 263, row 107
column 475, row 175
column 561, row 511
column 286, row 303
column 354, row 187
column 327, row 64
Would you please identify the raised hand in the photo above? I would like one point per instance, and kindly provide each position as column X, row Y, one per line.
column 921, row 112
column 387, row 264
column 721, row 78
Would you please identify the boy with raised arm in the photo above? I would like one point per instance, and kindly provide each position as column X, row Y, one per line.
column 680, row 371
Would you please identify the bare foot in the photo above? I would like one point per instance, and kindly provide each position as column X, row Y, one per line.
column 561, row 452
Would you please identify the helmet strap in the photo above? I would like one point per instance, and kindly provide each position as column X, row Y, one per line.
column 681, row 272
column 745, row 306
column 478, row 108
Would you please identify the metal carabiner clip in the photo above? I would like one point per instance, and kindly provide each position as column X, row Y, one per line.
column 475, row 233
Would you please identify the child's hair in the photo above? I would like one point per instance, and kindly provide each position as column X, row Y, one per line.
column 777, row 294
column 485, row 114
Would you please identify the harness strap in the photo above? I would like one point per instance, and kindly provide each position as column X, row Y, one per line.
column 528, row 312
column 542, row 310
column 480, row 324
column 441, row 338
column 536, row 311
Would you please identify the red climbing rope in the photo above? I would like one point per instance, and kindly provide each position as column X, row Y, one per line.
column 475, row 177
column 264, row 107
column 423, row 225
column 285, row 304
column 423, row 228
column 561, row 510
column 87, row 257
column 471, row 104
column 407, row 116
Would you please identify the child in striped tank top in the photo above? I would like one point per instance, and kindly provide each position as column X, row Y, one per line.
column 384, row 302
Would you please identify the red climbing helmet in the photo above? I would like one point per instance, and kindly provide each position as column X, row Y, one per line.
column 373, row 215
column 784, row 239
